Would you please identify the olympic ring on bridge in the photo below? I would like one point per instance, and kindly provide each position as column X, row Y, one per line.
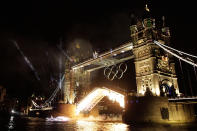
column 115, row 71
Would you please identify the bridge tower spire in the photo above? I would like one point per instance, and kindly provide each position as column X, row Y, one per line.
column 155, row 69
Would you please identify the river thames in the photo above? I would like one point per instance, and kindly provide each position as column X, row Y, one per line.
column 16, row 123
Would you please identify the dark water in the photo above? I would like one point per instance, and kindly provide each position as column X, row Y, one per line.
column 14, row 123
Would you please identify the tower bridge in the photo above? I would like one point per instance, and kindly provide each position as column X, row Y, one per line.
column 154, row 67
column 156, row 80
column 157, row 97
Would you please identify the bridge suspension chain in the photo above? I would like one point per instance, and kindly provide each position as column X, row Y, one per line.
column 180, row 52
column 51, row 98
column 170, row 51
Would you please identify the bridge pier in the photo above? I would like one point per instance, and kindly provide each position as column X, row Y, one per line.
column 182, row 112
column 153, row 109
column 77, row 85
column 67, row 107
column 67, row 110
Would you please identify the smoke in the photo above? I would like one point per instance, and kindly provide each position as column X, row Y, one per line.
column 79, row 50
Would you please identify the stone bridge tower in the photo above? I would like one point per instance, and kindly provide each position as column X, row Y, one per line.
column 76, row 84
column 155, row 70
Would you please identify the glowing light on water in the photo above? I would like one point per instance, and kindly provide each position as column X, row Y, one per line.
column 59, row 118
column 11, row 123
column 96, row 126
column 95, row 96
column 27, row 60
column 119, row 127
column 87, row 125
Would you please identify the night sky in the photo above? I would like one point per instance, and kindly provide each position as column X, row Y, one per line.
column 38, row 27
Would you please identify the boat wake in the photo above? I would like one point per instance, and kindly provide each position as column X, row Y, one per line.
column 59, row 118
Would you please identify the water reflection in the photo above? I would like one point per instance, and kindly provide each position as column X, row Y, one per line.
column 87, row 126
column 11, row 123
column 100, row 126
column 119, row 127
column 37, row 124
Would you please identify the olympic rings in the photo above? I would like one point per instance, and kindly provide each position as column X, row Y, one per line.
column 115, row 71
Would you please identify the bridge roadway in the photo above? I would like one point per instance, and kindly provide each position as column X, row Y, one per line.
column 112, row 57
column 94, row 97
column 185, row 100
